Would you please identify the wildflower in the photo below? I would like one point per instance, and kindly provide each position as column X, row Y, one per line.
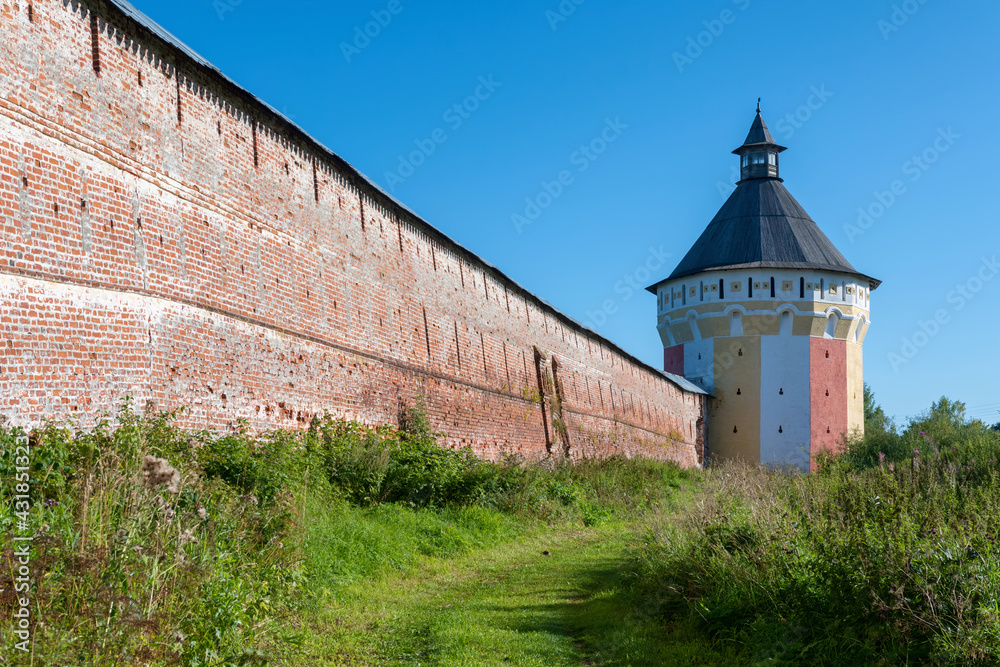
column 51, row 503
column 157, row 472
column 202, row 512
column 892, row 467
column 187, row 536
column 43, row 529
column 917, row 452
column 881, row 457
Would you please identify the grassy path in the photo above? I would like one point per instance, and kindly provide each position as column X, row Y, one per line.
column 512, row 605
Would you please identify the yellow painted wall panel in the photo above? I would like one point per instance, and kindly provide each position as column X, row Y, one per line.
column 712, row 327
column 855, row 388
column 803, row 326
column 761, row 325
column 682, row 332
column 737, row 399
column 864, row 332
column 843, row 329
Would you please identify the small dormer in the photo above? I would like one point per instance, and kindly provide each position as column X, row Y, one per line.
column 759, row 153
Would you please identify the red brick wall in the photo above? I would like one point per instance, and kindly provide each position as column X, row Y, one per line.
column 215, row 257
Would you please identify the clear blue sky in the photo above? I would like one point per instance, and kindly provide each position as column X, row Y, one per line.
column 886, row 81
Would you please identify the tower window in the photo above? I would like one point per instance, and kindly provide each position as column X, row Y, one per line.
column 772, row 159
column 722, row 288
column 785, row 324
column 772, row 287
column 831, row 325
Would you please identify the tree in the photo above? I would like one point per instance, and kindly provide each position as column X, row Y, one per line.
column 876, row 421
column 950, row 412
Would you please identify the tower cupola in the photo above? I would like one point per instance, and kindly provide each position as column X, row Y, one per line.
column 759, row 153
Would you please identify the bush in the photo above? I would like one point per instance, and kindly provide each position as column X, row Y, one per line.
column 131, row 571
column 161, row 546
column 887, row 554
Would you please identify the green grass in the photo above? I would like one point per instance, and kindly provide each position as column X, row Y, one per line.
column 247, row 538
column 344, row 544
column 888, row 559
column 507, row 605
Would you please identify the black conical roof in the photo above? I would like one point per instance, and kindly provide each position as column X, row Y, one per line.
column 762, row 226
column 758, row 134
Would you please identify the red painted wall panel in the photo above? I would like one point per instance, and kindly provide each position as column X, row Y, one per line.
column 828, row 393
column 673, row 359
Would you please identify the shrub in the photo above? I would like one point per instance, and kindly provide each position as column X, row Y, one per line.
column 176, row 565
column 161, row 546
column 887, row 554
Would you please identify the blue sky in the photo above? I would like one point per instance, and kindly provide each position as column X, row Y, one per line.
column 869, row 96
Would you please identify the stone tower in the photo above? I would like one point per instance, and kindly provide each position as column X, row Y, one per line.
column 766, row 315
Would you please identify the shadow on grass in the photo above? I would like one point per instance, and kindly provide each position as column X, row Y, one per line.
column 609, row 625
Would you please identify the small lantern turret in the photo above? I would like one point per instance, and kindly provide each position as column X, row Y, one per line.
column 759, row 153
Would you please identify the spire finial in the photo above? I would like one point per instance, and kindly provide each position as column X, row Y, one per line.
column 758, row 105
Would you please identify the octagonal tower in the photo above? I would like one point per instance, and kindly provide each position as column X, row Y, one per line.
column 769, row 317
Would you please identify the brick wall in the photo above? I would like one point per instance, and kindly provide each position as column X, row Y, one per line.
column 166, row 235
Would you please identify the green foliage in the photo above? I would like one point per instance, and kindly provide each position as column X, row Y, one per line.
column 128, row 574
column 260, row 525
column 887, row 554
column 876, row 420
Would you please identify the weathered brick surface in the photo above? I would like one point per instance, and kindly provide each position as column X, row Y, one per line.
column 167, row 236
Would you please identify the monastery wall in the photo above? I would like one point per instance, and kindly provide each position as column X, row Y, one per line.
column 165, row 235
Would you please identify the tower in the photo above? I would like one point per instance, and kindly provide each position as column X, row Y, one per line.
column 769, row 317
